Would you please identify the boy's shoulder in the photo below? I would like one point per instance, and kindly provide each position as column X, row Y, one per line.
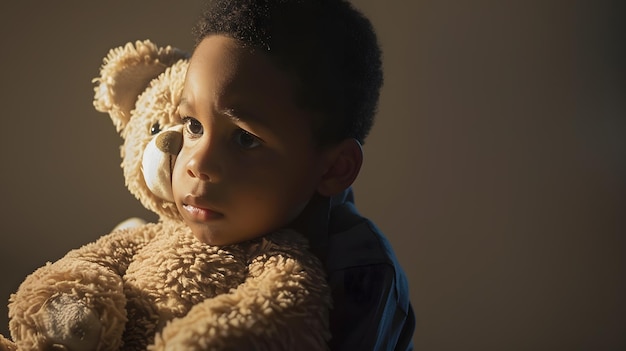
column 372, row 309
column 357, row 245
column 354, row 240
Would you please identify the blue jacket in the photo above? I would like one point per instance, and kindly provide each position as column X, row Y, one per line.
column 371, row 307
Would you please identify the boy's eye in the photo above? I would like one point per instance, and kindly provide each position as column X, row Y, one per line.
column 192, row 125
column 246, row 140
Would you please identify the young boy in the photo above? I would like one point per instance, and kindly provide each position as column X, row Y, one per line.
column 278, row 98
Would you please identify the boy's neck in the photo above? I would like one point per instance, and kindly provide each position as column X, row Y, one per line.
column 314, row 220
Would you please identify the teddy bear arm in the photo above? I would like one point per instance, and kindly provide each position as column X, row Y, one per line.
column 78, row 297
column 65, row 302
column 116, row 250
column 282, row 305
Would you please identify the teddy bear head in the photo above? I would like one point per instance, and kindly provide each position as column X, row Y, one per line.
column 139, row 87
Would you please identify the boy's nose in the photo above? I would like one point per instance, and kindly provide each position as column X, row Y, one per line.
column 204, row 163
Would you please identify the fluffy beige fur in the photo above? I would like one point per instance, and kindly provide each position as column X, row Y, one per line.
column 155, row 286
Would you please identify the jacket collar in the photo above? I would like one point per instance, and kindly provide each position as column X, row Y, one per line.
column 317, row 224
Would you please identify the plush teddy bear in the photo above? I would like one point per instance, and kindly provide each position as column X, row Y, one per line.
column 154, row 285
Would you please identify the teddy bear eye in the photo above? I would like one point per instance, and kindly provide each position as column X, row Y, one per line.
column 155, row 129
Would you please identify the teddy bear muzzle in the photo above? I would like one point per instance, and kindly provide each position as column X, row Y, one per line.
column 170, row 141
column 158, row 161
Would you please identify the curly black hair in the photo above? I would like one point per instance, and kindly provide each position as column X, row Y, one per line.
column 329, row 45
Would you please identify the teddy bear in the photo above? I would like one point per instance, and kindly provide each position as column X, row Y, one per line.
column 154, row 285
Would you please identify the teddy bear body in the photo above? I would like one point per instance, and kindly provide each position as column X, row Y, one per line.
column 171, row 273
column 154, row 285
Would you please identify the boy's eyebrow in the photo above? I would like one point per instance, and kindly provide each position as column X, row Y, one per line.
column 235, row 114
column 238, row 115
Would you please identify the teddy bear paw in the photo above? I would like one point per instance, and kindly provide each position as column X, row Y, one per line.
column 69, row 324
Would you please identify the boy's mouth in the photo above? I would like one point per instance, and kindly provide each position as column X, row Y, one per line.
column 199, row 209
column 202, row 214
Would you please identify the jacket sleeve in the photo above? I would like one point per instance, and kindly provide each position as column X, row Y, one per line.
column 371, row 312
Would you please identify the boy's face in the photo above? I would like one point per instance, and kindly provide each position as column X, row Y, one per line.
column 248, row 165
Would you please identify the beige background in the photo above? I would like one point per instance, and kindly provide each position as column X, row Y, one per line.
column 497, row 166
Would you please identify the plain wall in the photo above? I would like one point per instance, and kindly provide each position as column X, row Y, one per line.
column 497, row 165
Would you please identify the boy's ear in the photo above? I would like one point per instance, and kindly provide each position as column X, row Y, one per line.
column 344, row 164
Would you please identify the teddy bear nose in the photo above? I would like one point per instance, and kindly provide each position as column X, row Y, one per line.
column 169, row 141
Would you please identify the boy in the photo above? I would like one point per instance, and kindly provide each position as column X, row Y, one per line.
column 278, row 98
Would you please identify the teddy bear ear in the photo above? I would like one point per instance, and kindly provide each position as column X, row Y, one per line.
column 126, row 72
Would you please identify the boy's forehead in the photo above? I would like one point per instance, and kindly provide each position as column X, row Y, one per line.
column 220, row 67
column 222, row 57
column 239, row 82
